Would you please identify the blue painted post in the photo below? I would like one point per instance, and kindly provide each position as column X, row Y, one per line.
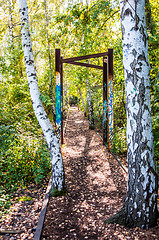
column 110, row 98
column 61, row 81
column 105, row 113
column 58, row 92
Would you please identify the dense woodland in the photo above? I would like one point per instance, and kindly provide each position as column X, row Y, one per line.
column 77, row 29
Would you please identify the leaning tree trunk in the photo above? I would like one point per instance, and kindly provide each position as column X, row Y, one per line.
column 140, row 206
column 49, row 133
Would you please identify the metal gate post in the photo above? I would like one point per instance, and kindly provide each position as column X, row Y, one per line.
column 58, row 92
column 61, row 82
column 105, row 113
column 110, row 98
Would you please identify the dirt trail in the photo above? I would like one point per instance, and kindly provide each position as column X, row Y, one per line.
column 96, row 188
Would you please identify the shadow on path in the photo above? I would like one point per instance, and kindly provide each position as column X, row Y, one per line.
column 96, row 188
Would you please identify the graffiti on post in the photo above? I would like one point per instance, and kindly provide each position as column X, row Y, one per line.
column 105, row 119
column 110, row 113
column 58, row 104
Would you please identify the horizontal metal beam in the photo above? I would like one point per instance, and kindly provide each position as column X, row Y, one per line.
column 69, row 60
column 86, row 65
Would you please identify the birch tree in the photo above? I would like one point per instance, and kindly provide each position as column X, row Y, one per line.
column 49, row 133
column 140, row 206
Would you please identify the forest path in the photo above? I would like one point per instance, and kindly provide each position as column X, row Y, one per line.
column 96, row 189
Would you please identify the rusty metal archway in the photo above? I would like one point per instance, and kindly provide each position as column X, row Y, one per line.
column 107, row 90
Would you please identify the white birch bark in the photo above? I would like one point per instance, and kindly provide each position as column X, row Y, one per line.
column 49, row 133
column 140, row 207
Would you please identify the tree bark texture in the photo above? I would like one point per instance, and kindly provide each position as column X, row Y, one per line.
column 140, row 207
column 49, row 133
column 84, row 106
column 10, row 6
column 90, row 106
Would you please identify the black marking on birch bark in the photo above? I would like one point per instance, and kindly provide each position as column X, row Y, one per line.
column 51, row 146
column 143, row 33
column 127, row 13
column 29, row 62
column 53, row 134
column 129, row 77
column 134, row 52
column 30, row 81
column 128, row 45
column 123, row 30
column 142, row 92
column 139, row 69
column 154, row 172
column 142, row 57
column 48, row 130
column 44, row 117
column 136, row 16
column 32, row 74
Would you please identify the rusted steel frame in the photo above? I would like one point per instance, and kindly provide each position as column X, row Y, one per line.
column 58, row 92
column 110, row 98
column 86, row 65
column 61, row 81
column 68, row 60
column 105, row 112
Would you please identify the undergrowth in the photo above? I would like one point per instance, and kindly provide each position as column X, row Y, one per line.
column 24, row 158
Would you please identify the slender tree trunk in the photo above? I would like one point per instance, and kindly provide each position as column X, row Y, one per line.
column 140, row 206
column 49, row 133
column 10, row 6
column 90, row 105
column 82, row 100
column 49, row 57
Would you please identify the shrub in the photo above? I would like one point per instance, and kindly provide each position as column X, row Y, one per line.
column 24, row 158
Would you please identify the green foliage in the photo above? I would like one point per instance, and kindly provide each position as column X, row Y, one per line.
column 5, row 201
column 156, row 140
column 155, row 120
column 47, row 102
column 24, row 199
column 23, row 158
column 154, row 73
column 119, row 140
